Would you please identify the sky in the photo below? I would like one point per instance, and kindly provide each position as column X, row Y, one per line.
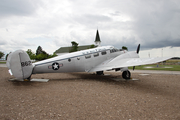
column 51, row 24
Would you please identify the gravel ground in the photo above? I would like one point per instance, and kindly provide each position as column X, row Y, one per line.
column 87, row 96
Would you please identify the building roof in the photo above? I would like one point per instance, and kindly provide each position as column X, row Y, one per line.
column 67, row 49
column 97, row 39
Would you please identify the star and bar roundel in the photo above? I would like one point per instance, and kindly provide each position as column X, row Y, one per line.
column 55, row 66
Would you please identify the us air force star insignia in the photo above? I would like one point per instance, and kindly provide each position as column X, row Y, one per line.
column 55, row 66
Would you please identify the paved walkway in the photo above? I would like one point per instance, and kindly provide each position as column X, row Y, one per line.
column 3, row 65
column 156, row 72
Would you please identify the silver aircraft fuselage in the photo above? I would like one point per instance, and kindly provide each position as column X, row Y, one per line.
column 81, row 61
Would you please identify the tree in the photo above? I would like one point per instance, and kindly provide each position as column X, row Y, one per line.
column 41, row 54
column 74, row 47
column 39, row 50
column 1, row 54
column 92, row 46
column 31, row 54
column 124, row 48
column 51, row 56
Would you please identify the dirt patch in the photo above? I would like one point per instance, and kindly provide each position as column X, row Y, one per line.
column 88, row 96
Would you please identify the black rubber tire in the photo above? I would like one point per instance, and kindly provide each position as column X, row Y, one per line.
column 100, row 73
column 126, row 74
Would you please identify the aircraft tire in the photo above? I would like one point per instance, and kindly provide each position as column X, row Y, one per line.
column 126, row 74
column 100, row 73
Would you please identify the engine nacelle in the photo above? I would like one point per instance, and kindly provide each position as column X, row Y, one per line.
column 20, row 65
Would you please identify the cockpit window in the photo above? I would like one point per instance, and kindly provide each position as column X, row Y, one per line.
column 114, row 50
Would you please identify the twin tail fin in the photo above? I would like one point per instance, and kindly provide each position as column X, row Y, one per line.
column 20, row 65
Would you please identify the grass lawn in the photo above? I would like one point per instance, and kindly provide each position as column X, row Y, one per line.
column 2, row 62
column 160, row 67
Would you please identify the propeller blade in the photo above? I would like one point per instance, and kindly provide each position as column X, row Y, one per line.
column 133, row 67
column 138, row 48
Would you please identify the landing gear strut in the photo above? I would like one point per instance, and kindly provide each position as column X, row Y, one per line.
column 28, row 79
column 126, row 74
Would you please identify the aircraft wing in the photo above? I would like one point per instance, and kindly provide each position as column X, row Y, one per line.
column 126, row 62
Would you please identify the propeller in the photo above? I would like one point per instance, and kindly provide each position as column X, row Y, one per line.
column 133, row 67
column 138, row 48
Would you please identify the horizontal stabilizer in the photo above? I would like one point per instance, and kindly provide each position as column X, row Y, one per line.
column 32, row 80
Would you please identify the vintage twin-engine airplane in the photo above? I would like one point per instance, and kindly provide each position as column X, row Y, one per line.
column 92, row 60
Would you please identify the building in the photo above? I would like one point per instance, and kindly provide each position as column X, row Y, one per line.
column 97, row 39
column 65, row 50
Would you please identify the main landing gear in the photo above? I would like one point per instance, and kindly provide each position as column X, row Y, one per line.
column 126, row 75
column 100, row 73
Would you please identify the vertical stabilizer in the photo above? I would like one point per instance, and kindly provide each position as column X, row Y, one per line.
column 20, row 65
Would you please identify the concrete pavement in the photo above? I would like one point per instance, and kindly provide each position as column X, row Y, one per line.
column 3, row 65
column 156, row 72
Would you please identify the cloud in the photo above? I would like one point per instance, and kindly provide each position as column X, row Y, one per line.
column 2, row 41
column 154, row 21
column 17, row 7
column 31, row 23
column 91, row 19
column 13, row 45
column 157, row 25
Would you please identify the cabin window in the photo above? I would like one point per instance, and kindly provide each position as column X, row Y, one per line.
column 69, row 59
column 103, row 53
column 96, row 54
column 88, row 56
column 78, row 58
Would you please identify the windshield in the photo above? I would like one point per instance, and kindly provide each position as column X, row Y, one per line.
column 113, row 49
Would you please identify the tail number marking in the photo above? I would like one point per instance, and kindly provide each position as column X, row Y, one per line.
column 26, row 63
